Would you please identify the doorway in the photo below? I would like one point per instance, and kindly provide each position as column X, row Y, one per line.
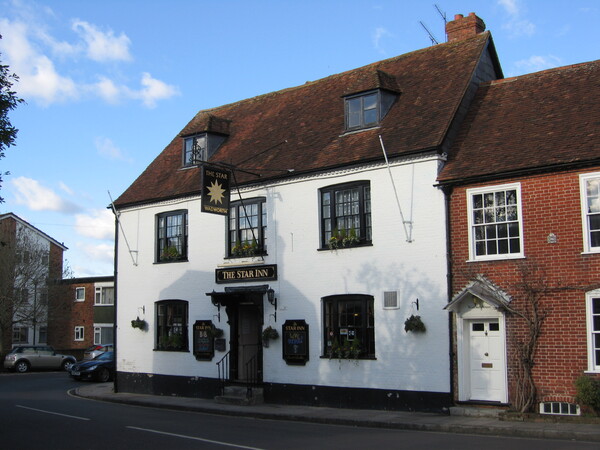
column 486, row 360
column 249, row 346
column 245, row 318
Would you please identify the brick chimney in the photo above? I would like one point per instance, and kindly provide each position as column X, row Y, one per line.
column 464, row 27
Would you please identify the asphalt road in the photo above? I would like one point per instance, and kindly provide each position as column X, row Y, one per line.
column 37, row 412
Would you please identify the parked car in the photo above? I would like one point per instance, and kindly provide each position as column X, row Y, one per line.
column 101, row 368
column 26, row 357
column 95, row 350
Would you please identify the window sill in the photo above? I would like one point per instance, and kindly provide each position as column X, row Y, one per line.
column 497, row 258
column 591, row 252
column 359, row 130
column 327, row 249
column 257, row 255
column 172, row 262
column 171, row 351
column 365, row 358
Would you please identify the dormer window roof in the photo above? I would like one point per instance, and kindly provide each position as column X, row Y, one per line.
column 369, row 99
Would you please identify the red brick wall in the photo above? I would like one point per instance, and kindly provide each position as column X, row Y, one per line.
column 550, row 204
column 68, row 314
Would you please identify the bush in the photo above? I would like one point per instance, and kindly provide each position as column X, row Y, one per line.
column 588, row 392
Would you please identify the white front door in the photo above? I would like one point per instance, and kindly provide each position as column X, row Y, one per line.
column 486, row 360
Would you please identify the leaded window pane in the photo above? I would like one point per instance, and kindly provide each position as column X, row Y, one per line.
column 172, row 236
column 347, row 210
column 194, row 150
column 349, row 326
column 247, row 228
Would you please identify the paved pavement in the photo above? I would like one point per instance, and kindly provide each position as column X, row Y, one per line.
column 467, row 424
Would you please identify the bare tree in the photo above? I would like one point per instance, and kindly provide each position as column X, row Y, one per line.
column 533, row 286
column 27, row 283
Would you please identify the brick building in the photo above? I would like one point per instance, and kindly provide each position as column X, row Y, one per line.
column 30, row 262
column 523, row 187
column 86, row 314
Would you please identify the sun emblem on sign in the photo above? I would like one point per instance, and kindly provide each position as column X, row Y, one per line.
column 215, row 192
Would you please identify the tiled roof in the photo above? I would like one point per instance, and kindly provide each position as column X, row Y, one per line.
column 302, row 128
column 539, row 121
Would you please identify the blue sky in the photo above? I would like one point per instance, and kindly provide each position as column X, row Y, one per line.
column 109, row 83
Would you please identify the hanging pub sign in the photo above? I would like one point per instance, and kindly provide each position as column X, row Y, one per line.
column 295, row 342
column 204, row 342
column 215, row 190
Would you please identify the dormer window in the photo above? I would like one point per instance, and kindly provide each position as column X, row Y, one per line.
column 367, row 109
column 195, row 150
column 200, row 147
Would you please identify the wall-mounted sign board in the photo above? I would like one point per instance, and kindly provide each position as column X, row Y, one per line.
column 295, row 342
column 204, row 342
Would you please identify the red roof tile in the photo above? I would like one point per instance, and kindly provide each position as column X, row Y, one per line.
column 532, row 122
column 302, row 128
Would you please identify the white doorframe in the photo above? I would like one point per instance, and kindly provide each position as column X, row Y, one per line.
column 465, row 315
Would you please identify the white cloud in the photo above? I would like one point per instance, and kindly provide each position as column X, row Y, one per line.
column 65, row 188
column 510, row 6
column 36, row 197
column 98, row 224
column 38, row 77
column 107, row 90
column 103, row 46
column 28, row 48
column 536, row 63
column 516, row 25
column 153, row 90
column 519, row 28
column 108, row 149
column 98, row 253
column 378, row 35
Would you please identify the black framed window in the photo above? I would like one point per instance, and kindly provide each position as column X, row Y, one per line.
column 247, row 228
column 171, row 236
column 346, row 215
column 200, row 147
column 349, row 326
column 194, row 150
column 172, row 325
column 367, row 109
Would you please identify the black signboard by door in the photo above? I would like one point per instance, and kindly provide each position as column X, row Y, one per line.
column 295, row 342
column 204, row 343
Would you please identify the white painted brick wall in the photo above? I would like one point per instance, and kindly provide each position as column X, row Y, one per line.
column 404, row 361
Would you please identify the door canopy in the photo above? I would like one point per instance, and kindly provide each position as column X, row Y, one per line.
column 478, row 292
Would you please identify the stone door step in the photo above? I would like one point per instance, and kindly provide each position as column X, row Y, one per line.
column 241, row 395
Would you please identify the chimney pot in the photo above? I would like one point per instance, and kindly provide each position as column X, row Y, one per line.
column 458, row 16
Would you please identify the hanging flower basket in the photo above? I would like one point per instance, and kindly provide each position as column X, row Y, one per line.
column 215, row 332
column 414, row 324
column 268, row 334
column 139, row 323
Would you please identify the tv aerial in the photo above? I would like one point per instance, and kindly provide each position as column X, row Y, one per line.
column 432, row 37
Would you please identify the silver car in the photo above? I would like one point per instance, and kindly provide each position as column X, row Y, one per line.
column 26, row 357
column 96, row 350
